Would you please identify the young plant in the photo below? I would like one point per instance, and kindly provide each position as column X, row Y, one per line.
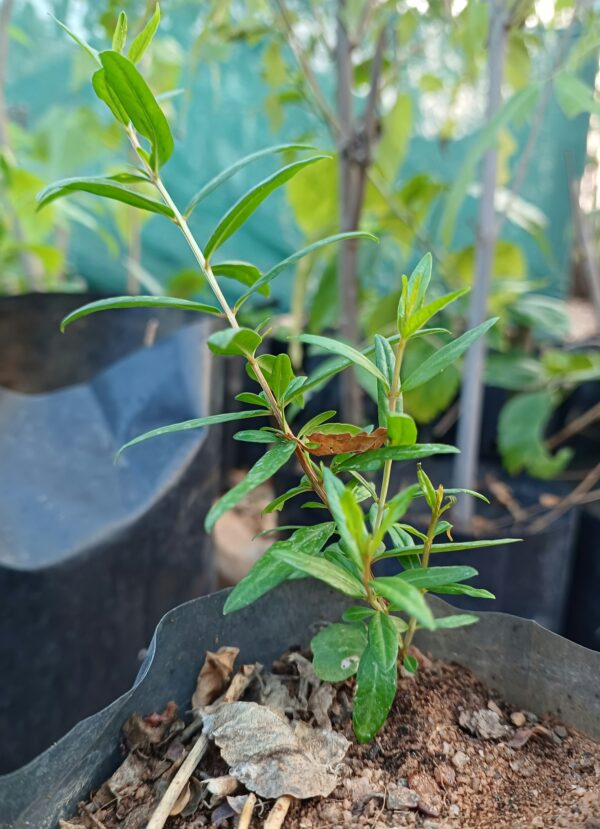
column 367, row 522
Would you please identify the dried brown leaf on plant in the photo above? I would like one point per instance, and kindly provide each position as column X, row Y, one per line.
column 214, row 676
column 272, row 757
column 332, row 444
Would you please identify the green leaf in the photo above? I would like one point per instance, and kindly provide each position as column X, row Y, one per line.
column 385, row 361
column 120, row 34
column 377, row 678
column 310, row 426
column 242, row 272
column 396, row 133
column 343, row 508
column 521, row 436
column 139, row 103
column 225, row 175
column 428, row 578
column 245, row 207
column 343, row 350
column 269, row 571
column 402, row 429
column 375, row 459
column 136, row 302
column 270, row 275
column 357, row 613
column 332, row 574
column 144, row 39
column 106, row 94
column 418, row 282
column 574, row 96
column 282, row 375
column 478, row 495
column 234, row 341
column 447, row 355
column 337, row 650
column 404, row 597
column 422, row 316
column 78, row 40
column 278, row 503
column 463, row 590
column 451, row 547
column 256, row 436
column 457, row 620
column 397, row 506
column 105, row 187
column 252, row 399
column 410, row 664
column 186, row 425
column 427, row 487
column 263, row 469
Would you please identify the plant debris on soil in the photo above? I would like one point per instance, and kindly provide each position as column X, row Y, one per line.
column 452, row 755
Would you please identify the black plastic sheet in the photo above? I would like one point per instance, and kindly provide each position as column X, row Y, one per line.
column 93, row 553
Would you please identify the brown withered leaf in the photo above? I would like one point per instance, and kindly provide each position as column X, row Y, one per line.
column 332, row 444
column 214, row 676
column 523, row 735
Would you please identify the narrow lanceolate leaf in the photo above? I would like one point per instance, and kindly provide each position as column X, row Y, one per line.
column 137, row 302
column 464, row 590
column 144, row 39
column 262, row 470
column 243, row 272
column 419, row 318
column 337, row 650
column 245, row 207
column 446, row 355
column 120, row 33
column 232, row 341
column 226, row 174
column 457, row 620
column 404, row 597
column 419, row 281
column 385, row 361
column 337, row 500
column 270, row 275
column 357, row 613
column 428, row 578
column 352, row 354
column 279, row 502
column 325, row 571
column 447, row 548
column 187, row 425
column 311, row 425
column 257, row 436
column 140, row 104
column 269, row 571
column 375, row 459
column 106, row 94
column 78, row 40
column 397, row 506
column 376, row 679
column 108, row 188
column 470, row 492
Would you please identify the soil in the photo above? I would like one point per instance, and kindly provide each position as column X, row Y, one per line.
column 451, row 756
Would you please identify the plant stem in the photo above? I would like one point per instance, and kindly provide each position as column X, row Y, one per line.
column 435, row 517
column 206, row 270
column 395, row 398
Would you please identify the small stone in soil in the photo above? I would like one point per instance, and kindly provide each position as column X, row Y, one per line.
column 518, row 719
column 400, row 798
column 460, row 760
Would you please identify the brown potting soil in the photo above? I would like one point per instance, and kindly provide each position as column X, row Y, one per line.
column 452, row 755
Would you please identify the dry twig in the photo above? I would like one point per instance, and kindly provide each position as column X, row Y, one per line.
column 247, row 811
column 278, row 812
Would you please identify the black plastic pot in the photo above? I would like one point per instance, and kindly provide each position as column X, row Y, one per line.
column 92, row 554
column 531, row 667
column 583, row 617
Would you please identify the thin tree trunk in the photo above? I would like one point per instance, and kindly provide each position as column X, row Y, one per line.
column 5, row 16
column 348, row 180
column 471, row 399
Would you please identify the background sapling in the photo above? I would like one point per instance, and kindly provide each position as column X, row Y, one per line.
column 367, row 520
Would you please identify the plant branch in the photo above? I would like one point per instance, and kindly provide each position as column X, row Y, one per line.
column 206, row 270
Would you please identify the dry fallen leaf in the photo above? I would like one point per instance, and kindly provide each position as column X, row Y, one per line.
column 523, row 735
column 214, row 676
column 272, row 757
column 182, row 801
column 332, row 444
